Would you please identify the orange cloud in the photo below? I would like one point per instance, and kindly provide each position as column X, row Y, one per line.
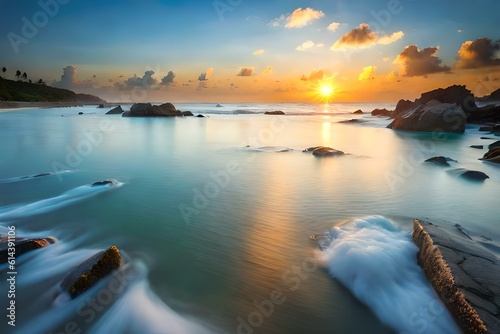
column 258, row 52
column 268, row 70
column 481, row 52
column 368, row 73
column 315, row 75
column 363, row 37
column 417, row 62
column 299, row 18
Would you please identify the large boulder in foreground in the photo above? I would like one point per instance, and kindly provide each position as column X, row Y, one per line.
column 89, row 272
column 463, row 273
column 149, row 110
column 23, row 246
column 433, row 116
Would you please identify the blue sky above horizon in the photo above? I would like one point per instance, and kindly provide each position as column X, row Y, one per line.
column 255, row 50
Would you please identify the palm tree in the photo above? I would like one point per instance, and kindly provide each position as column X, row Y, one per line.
column 18, row 74
column 4, row 70
column 25, row 76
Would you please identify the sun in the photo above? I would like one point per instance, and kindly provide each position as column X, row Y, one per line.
column 326, row 90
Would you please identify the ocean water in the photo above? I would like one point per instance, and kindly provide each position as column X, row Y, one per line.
column 213, row 217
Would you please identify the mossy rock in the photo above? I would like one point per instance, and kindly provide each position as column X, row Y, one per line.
column 91, row 271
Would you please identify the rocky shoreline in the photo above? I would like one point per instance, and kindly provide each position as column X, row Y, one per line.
column 463, row 272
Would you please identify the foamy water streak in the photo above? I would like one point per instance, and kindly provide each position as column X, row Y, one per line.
column 31, row 177
column 141, row 311
column 376, row 260
column 53, row 203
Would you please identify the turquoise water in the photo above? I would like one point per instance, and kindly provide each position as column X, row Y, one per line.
column 214, row 214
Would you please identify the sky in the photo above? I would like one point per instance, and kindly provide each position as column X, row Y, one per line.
column 253, row 50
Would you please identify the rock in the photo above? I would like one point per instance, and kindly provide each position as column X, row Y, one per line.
column 187, row 113
column 488, row 138
column 404, row 105
column 486, row 128
column 323, row 151
column 200, row 115
column 492, row 155
column 486, row 114
column 440, row 161
column 382, row 112
column 219, row 106
column 148, row 110
column 455, row 94
column 80, row 113
column 493, row 97
column 22, row 246
column 496, row 129
column 358, row 112
column 479, row 147
column 115, row 111
column 101, row 106
column 495, row 144
column 433, row 116
column 471, row 175
column 277, row 112
column 89, row 272
column 354, row 120
column 453, row 263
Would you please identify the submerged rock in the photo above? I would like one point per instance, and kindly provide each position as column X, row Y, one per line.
column 479, row 147
column 187, row 113
column 358, row 112
column 440, row 161
column 277, row 112
column 323, row 151
column 23, row 246
column 200, row 116
column 382, row 112
column 492, row 155
column 89, row 272
column 472, row 175
column 485, row 115
column 115, row 111
column 433, row 116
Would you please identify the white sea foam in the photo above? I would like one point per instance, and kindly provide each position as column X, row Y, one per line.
column 35, row 176
column 53, row 203
column 139, row 310
column 376, row 260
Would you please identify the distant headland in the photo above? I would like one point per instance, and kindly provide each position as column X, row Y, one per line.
column 19, row 94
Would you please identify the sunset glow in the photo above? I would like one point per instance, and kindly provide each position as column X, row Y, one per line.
column 251, row 51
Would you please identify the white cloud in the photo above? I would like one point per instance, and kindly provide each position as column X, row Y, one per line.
column 298, row 18
column 306, row 45
column 258, row 52
column 333, row 26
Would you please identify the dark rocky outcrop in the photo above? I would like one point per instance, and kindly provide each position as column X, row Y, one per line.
column 80, row 113
column 433, row 116
column 187, row 113
column 495, row 144
column 277, row 112
column 484, row 115
column 492, row 155
column 149, row 110
column 89, row 272
column 22, row 246
column 479, row 147
column 493, row 97
column 458, row 95
column 382, row 112
column 353, row 120
column 323, row 151
column 358, row 112
column 440, row 161
column 200, row 116
column 463, row 273
column 115, row 111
